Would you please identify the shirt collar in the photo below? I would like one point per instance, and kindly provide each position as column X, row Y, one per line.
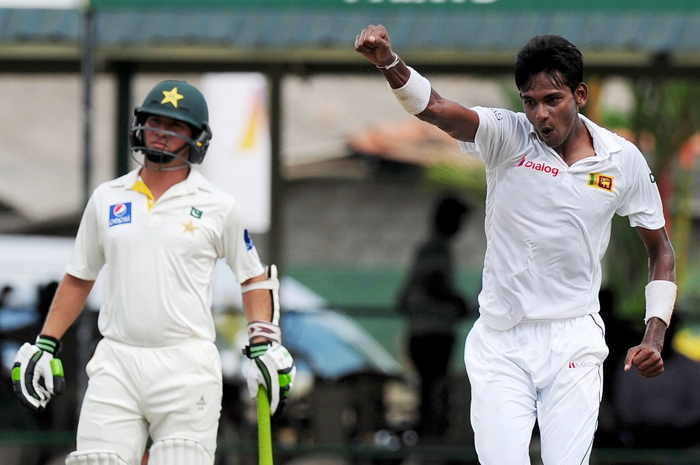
column 603, row 142
column 192, row 184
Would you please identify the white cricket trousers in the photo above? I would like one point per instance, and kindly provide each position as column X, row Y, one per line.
column 551, row 371
column 134, row 392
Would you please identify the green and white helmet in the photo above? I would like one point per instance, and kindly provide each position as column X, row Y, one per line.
column 180, row 101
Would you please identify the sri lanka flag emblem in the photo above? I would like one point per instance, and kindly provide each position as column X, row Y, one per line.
column 601, row 181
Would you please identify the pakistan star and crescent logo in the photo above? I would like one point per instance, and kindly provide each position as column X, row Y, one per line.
column 171, row 96
column 189, row 228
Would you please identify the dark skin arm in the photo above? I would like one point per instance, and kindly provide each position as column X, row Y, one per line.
column 647, row 355
column 456, row 120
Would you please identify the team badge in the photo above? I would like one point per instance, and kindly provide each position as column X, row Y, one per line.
column 196, row 213
column 171, row 96
column 119, row 214
column 248, row 241
column 601, row 181
column 189, row 228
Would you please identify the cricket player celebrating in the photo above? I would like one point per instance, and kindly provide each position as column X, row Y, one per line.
column 158, row 231
column 554, row 182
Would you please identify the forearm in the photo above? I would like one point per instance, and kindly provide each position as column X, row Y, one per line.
column 67, row 305
column 261, row 308
column 257, row 305
column 655, row 333
column 662, row 258
column 662, row 267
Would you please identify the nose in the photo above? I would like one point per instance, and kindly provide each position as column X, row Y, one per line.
column 541, row 113
column 157, row 128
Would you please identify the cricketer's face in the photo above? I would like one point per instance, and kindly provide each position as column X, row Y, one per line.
column 552, row 108
column 159, row 136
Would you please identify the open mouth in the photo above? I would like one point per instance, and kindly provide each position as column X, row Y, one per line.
column 546, row 132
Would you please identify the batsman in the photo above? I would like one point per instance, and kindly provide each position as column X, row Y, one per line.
column 157, row 233
column 555, row 180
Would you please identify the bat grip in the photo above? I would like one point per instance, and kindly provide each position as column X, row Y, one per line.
column 264, row 428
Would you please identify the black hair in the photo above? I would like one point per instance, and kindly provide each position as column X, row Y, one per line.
column 552, row 54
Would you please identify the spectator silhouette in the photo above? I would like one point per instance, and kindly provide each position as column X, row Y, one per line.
column 434, row 307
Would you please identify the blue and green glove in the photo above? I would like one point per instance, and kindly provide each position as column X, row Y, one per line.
column 37, row 374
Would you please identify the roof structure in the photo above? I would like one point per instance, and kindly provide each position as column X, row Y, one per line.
column 454, row 36
column 307, row 37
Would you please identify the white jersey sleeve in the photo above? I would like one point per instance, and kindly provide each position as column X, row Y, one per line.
column 642, row 201
column 87, row 257
column 501, row 133
column 237, row 247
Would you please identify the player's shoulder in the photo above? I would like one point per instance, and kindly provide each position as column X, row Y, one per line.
column 197, row 179
column 629, row 152
column 502, row 120
column 207, row 188
column 616, row 142
column 109, row 188
column 497, row 114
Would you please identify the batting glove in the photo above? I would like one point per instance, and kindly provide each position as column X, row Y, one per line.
column 37, row 374
column 271, row 366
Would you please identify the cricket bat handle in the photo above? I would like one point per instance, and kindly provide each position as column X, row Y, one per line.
column 264, row 428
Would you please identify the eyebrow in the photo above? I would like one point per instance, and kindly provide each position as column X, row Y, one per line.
column 555, row 93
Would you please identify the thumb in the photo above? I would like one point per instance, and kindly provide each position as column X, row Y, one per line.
column 630, row 356
column 253, row 387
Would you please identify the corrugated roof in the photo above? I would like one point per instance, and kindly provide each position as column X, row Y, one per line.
column 437, row 36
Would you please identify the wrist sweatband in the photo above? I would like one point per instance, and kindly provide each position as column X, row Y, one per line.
column 660, row 297
column 267, row 330
column 415, row 94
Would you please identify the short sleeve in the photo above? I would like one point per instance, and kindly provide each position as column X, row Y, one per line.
column 238, row 248
column 641, row 202
column 87, row 257
column 501, row 132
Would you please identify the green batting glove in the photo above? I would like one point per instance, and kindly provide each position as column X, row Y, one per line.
column 271, row 366
column 37, row 374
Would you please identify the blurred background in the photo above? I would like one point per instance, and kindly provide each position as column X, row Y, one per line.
column 341, row 189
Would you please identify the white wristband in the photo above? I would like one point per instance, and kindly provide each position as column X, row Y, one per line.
column 415, row 94
column 660, row 296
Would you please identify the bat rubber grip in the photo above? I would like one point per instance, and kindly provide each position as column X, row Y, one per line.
column 264, row 428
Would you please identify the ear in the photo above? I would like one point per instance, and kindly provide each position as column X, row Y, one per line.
column 581, row 95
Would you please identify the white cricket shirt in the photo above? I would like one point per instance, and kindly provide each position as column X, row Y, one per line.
column 160, row 261
column 548, row 224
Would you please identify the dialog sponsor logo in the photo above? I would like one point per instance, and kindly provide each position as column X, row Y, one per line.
column 545, row 168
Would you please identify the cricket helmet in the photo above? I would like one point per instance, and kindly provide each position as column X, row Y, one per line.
column 180, row 101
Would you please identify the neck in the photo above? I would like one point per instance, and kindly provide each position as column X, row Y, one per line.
column 160, row 181
column 578, row 145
